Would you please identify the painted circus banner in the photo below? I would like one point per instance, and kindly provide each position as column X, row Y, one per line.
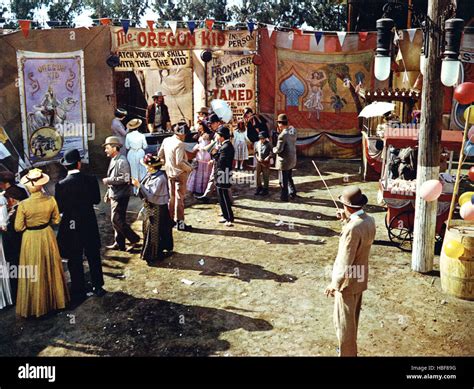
column 182, row 39
column 53, row 109
column 154, row 59
column 232, row 78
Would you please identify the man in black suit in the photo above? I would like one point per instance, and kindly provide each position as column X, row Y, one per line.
column 223, row 174
column 78, row 231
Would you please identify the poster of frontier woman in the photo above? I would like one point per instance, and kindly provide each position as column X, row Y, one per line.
column 53, row 105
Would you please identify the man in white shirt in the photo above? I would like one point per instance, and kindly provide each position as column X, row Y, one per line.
column 173, row 153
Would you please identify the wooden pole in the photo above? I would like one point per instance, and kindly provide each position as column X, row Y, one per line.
column 429, row 145
column 458, row 173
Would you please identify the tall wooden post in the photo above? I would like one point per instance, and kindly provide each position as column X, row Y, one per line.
column 429, row 145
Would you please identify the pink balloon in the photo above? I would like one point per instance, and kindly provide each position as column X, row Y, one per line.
column 470, row 134
column 467, row 211
column 431, row 190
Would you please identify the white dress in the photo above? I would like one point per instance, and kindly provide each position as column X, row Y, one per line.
column 135, row 143
column 240, row 145
column 5, row 292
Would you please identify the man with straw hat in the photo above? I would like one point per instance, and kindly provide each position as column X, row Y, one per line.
column 119, row 191
column 351, row 268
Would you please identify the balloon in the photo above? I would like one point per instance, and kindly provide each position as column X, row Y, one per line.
column 471, row 174
column 470, row 134
column 469, row 149
column 467, row 211
column 464, row 93
column 471, row 114
column 453, row 249
column 465, row 197
column 431, row 190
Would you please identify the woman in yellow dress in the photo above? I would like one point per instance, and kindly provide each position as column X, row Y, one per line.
column 43, row 287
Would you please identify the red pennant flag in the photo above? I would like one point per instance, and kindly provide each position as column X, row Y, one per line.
column 363, row 35
column 151, row 24
column 25, row 27
column 298, row 31
column 105, row 21
column 209, row 23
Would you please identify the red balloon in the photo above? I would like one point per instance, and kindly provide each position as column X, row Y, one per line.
column 464, row 93
column 471, row 174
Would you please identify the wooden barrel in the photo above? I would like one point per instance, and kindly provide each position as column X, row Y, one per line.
column 457, row 274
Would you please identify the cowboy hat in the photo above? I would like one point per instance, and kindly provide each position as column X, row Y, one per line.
column 224, row 132
column 204, row 110
column 134, row 123
column 158, row 94
column 282, row 118
column 71, row 157
column 353, row 197
column 151, row 160
column 112, row 140
column 35, row 177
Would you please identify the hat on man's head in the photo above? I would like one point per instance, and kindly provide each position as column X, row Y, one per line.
column 262, row 135
column 158, row 94
column 204, row 110
column 224, row 132
column 134, row 123
column 7, row 176
column 151, row 160
column 71, row 157
column 16, row 193
column 120, row 113
column 34, row 178
column 113, row 141
column 248, row 110
column 353, row 197
column 214, row 118
column 282, row 118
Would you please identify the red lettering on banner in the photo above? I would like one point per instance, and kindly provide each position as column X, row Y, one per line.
column 233, row 94
column 205, row 37
column 171, row 40
column 152, row 39
column 162, row 39
column 220, row 39
column 142, row 38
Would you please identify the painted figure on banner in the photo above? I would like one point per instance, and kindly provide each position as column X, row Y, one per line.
column 314, row 100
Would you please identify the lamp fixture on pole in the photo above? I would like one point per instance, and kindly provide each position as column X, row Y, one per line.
column 382, row 55
column 451, row 64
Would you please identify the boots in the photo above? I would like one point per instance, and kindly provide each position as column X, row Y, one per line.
column 258, row 191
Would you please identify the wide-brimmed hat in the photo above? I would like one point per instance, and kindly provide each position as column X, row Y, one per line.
column 35, row 177
column 120, row 112
column 282, row 118
column 204, row 110
column 151, row 160
column 112, row 140
column 71, row 157
column 353, row 197
column 158, row 94
column 224, row 132
column 134, row 123
column 214, row 118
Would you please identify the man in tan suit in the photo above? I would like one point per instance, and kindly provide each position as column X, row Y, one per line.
column 351, row 268
column 173, row 153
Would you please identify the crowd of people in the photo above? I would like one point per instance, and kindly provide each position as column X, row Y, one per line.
column 161, row 180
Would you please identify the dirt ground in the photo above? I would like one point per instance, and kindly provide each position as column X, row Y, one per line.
column 254, row 289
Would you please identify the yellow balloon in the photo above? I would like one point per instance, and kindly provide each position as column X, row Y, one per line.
column 471, row 114
column 453, row 249
column 465, row 197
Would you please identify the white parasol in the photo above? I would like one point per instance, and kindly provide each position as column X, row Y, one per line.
column 377, row 108
column 222, row 109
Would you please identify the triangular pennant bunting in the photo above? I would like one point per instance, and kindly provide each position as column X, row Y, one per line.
column 191, row 26
column 363, row 35
column 150, row 24
column 105, row 21
column 173, row 25
column 25, row 27
column 405, row 76
column 125, row 25
column 341, row 35
column 251, row 26
column 209, row 23
column 318, row 35
column 411, row 33
column 270, row 29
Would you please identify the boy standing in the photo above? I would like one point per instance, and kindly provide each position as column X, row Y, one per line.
column 263, row 153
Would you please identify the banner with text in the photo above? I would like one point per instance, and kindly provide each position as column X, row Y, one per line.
column 144, row 39
column 232, row 78
column 154, row 59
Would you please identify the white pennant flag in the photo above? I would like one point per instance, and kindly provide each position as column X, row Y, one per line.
column 173, row 25
column 405, row 76
column 270, row 28
column 411, row 33
column 341, row 35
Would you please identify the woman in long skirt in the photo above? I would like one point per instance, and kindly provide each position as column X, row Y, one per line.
column 199, row 177
column 157, row 223
column 135, row 143
column 5, row 290
column 43, row 287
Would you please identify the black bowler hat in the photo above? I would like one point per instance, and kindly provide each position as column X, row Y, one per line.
column 71, row 157
column 224, row 132
column 214, row 118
